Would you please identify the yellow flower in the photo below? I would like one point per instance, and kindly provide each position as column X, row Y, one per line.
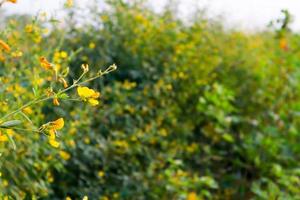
column 54, row 143
column 85, row 92
column 283, row 44
column 63, row 54
column 12, row 1
column 50, row 177
column 17, row 54
column 52, row 128
column 55, row 102
column 85, row 67
column 45, row 64
column 85, row 198
column 93, row 102
column 64, row 155
column 68, row 198
column 69, row 3
column 5, row 183
column 92, row 45
column 101, row 173
column 4, row 46
column 192, row 196
column 64, row 82
column 3, row 138
column 27, row 110
column 88, row 95
column 29, row 28
column 57, row 124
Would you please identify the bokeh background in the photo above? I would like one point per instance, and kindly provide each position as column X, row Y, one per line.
column 204, row 104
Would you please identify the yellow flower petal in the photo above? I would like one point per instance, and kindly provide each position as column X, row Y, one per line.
column 54, row 143
column 192, row 196
column 55, row 102
column 45, row 64
column 3, row 138
column 64, row 155
column 12, row 1
column 93, row 102
column 57, row 124
column 85, row 92
column 96, row 95
column 52, row 134
column 4, row 46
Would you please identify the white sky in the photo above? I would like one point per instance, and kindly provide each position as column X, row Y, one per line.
column 246, row 14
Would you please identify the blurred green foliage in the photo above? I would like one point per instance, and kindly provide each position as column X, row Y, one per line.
column 195, row 111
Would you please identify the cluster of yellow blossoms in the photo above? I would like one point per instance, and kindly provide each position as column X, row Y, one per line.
column 88, row 95
column 51, row 128
column 4, row 46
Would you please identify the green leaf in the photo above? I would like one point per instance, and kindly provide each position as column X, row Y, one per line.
column 10, row 123
column 12, row 142
column 228, row 138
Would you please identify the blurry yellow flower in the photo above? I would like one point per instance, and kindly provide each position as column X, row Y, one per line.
column 129, row 85
column 27, row 110
column 10, row 132
column 88, row 95
column 53, row 143
column 57, row 67
column 283, row 44
column 85, row 67
column 69, row 3
column 50, row 177
column 63, row 54
column 68, row 198
column 64, row 155
column 45, row 64
column 85, row 198
column 5, row 183
column 37, row 39
column 163, row 132
column 17, row 54
column 52, row 128
column 12, row 1
column 64, row 82
column 92, row 45
column 192, row 196
column 3, row 138
column 93, row 102
column 71, row 143
column 101, row 173
column 29, row 28
column 116, row 195
column 56, row 57
column 87, row 140
column 55, row 101
column 4, row 46
column 57, row 124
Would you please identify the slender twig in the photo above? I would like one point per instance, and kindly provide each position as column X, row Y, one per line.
column 75, row 84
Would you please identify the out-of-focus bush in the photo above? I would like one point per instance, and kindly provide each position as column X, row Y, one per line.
column 195, row 111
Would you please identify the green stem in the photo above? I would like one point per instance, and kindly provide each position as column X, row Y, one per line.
column 75, row 84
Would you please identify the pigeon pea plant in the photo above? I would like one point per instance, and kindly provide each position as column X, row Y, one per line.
column 56, row 75
column 39, row 87
column 50, row 128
